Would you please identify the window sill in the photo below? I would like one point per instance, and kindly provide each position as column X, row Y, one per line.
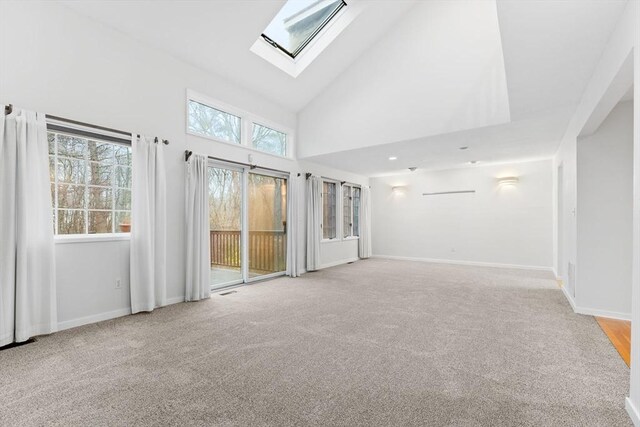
column 346, row 239
column 239, row 145
column 89, row 238
column 330, row 240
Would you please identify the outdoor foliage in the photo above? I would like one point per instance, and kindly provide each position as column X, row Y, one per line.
column 90, row 184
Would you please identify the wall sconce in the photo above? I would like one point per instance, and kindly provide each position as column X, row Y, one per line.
column 399, row 189
column 508, row 181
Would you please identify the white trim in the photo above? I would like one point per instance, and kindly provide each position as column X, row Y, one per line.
column 269, row 276
column 108, row 315
column 91, row 238
column 572, row 303
column 174, row 300
column 603, row 313
column 340, row 262
column 461, row 262
column 632, row 411
column 95, row 318
column 593, row 311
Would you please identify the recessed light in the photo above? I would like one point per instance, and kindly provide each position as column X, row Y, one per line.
column 463, row 148
column 393, row 158
column 473, row 162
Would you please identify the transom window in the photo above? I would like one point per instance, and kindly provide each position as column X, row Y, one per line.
column 224, row 123
column 329, row 210
column 212, row 122
column 350, row 211
column 90, row 184
column 269, row 140
column 298, row 22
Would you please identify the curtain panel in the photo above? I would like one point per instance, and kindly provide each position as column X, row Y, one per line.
column 364, row 243
column 198, row 261
column 27, row 258
column 314, row 220
column 148, row 225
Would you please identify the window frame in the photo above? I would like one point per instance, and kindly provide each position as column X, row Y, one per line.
column 247, row 122
column 313, row 36
column 337, row 195
column 351, row 187
column 103, row 137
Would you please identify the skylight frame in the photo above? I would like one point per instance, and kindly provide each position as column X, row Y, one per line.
column 293, row 55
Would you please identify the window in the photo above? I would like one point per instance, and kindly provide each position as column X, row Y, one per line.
column 224, row 123
column 269, row 140
column 212, row 122
column 298, row 22
column 350, row 211
column 90, row 184
column 329, row 210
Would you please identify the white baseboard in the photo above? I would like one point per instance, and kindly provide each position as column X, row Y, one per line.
column 603, row 313
column 175, row 300
column 569, row 298
column 632, row 411
column 461, row 262
column 593, row 311
column 336, row 263
column 95, row 318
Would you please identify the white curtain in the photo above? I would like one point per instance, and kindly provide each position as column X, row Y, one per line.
column 364, row 243
column 148, row 225
column 198, row 261
column 314, row 219
column 27, row 262
column 293, row 197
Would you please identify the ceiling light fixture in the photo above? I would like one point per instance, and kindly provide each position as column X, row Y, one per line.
column 463, row 148
column 393, row 158
column 473, row 162
column 413, row 168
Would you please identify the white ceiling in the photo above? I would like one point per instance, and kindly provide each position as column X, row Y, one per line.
column 550, row 51
column 216, row 36
column 549, row 47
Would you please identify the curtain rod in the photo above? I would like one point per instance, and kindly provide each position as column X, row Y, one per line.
column 353, row 184
column 188, row 154
column 8, row 109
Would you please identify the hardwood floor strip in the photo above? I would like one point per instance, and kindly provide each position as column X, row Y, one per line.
column 619, row 333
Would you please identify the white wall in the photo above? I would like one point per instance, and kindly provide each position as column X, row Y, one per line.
column 58, row 62
column 605, row 216
column 496, row 225
column 624, row 41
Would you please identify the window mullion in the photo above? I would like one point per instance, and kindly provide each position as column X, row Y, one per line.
column 86, row 188
column 55, row 182
column 113, row 191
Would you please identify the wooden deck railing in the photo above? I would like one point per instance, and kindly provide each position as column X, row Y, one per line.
column 267, row 249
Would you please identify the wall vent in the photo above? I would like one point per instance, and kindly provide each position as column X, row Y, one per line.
column 227, row 293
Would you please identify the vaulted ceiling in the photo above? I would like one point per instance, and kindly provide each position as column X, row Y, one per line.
column 410, row 79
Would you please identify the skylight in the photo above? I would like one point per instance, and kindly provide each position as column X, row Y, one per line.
column 298, row 22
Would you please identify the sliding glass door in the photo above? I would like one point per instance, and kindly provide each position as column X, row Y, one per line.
column 225, row 226
column 267, row 244
column 247, row 221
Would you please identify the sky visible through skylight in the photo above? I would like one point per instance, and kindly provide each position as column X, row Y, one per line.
column 298, row 20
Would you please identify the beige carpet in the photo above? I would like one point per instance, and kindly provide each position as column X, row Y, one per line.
column 372, row 343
